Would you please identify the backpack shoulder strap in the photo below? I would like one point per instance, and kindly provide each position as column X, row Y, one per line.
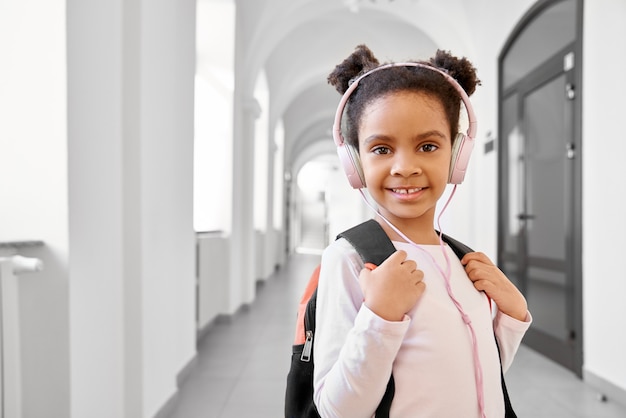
column 374, row 246
column 370, row 241
column 457, row 247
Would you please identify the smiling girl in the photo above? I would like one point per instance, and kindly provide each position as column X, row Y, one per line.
column 423, row 316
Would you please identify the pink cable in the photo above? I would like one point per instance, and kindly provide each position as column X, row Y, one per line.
column 478, row 371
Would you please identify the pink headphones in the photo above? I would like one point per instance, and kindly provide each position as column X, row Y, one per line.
column 461, row 146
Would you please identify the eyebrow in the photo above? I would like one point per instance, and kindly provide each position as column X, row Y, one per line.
column 418, row 137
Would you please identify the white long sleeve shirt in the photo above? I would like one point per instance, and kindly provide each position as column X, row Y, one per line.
column 429, row 352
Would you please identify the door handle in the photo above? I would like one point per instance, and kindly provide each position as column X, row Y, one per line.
column 525, row 216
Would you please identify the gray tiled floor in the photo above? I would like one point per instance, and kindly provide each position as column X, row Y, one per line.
column 243, row 362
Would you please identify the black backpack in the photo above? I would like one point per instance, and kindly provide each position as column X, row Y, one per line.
column 373, row 246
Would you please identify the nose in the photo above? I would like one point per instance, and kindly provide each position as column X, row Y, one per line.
column 405, row 165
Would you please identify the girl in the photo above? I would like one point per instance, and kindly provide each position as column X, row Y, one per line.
column 422, row 316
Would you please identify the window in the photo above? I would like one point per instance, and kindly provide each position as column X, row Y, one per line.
column 215, row 44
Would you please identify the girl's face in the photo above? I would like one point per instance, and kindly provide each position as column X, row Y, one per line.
column 405, row 148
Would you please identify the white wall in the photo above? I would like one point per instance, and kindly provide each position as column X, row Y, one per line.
column 603, row 212
column 33, row 190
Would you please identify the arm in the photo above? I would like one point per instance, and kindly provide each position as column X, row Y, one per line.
column 354, row 348
column 509, row 332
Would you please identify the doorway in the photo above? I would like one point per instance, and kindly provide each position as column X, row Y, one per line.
column 539, row 165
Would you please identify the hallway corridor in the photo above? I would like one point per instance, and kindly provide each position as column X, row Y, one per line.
column 242, row 364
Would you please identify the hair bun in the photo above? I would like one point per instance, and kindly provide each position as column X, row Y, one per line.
column 461, row 69
column 360, row 61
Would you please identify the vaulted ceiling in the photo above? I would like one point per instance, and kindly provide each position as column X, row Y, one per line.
column 297, row 43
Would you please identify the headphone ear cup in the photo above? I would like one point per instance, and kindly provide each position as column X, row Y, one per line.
column 461, row 152
column 351, row 163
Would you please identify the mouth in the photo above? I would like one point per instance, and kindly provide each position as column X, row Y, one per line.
column 407, row 191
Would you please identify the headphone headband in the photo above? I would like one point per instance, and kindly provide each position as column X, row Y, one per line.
column 462, row 147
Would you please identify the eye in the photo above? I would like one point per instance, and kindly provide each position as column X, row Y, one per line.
column 428, row 148
column 381, row 150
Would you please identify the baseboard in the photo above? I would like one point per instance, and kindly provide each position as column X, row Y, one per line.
column 219, row 319
column 167, row 410
column 169, row 407
column 185, row 372
column 202, row 332
column 608, row 391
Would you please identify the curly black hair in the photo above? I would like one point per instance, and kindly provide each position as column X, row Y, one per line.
column 394, row 79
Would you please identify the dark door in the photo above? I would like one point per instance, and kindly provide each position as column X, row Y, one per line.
column 539, row 226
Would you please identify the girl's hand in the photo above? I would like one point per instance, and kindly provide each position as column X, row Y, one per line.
column 393, row 288
column 487, row 277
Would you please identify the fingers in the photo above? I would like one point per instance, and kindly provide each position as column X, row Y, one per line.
column 398, row 268
column 483, row 275
column 394, row 258
column 483, row 285
column 409, row 265
column 477, row 257
column 392, row 289
column 397, row 257
column 478, row 266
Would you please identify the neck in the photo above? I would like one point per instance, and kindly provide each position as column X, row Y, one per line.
column 421, row 232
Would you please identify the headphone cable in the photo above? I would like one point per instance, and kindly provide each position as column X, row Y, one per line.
column 478, row 372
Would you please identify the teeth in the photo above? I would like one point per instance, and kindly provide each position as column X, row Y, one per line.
column 407, row 191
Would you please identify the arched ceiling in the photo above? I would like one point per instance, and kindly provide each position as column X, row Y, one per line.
column 301, row 60
column 299, row 64
column 299, row 42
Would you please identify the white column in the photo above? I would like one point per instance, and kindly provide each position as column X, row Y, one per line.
column 132, row 244
column 243, row 254
column 96, row 189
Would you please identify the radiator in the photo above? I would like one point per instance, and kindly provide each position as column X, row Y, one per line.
column 213, row 273
column 10, row 370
